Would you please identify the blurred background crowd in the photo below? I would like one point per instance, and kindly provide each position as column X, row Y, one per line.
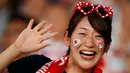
column 15, row 15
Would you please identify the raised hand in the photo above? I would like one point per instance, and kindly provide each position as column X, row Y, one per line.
column 30, row 39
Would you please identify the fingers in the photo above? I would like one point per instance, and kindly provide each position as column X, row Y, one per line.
column 42, row 45
column 48, row 36
column 30, row 24
column 39, row 26
column 46, row 29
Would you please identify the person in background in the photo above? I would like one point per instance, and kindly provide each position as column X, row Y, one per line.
column 59, row 16
column 4, row 14
column 16, row 24
column 29, row 8
column 124, row 33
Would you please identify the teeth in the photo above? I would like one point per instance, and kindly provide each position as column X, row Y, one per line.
column 88, row 52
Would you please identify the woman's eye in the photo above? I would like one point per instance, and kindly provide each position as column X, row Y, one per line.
column 99, row 36
column 82, row 34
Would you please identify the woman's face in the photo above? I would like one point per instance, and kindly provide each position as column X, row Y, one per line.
column 86, row 45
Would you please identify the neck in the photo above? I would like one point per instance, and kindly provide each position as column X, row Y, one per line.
column 73, row 68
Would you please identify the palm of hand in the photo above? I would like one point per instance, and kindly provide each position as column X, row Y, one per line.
column 30, row 39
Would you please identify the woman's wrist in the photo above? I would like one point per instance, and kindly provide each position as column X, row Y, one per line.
column 7, row 56
column 15, row 49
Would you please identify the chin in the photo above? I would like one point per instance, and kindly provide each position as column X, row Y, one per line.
column 90, row 63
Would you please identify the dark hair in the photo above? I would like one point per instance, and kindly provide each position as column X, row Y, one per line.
column 101, row 25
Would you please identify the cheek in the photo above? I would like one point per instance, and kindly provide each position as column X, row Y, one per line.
column 99, row 44
column 76, row 42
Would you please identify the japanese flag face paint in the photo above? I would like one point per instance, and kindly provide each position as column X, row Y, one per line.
column 76, row 42
column 100, row 45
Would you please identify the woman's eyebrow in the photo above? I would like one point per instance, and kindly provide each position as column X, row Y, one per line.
column 83, row 28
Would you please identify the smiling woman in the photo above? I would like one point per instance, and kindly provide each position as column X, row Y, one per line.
column 88, row 37
column 87, row 54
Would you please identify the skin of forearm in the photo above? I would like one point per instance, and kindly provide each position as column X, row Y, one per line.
column 7, row 56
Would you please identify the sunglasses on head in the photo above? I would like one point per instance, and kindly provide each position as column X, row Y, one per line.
column 103, row 11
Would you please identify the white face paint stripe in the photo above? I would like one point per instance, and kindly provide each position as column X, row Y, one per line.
column 100, row 45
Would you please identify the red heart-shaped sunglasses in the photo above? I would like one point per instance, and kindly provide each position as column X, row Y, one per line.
column 99, row 9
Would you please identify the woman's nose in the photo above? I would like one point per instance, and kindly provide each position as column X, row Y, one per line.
column 89, row 42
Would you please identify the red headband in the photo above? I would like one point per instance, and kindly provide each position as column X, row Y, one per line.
column 108, row 9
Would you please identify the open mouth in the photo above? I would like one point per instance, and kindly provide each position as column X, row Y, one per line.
column 87, row 55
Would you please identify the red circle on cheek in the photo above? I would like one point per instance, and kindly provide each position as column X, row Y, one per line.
column 75, row 42
column 100, row 43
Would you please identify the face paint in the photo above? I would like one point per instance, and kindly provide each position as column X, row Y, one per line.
column 100, row 45
column 76, row 42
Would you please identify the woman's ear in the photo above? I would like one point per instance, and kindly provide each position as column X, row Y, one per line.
column 66, row 39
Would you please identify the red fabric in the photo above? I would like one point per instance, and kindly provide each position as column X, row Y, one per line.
column 102, row 63
column 97, row 70
column 58, row 66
